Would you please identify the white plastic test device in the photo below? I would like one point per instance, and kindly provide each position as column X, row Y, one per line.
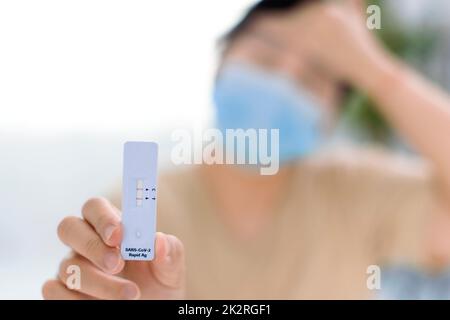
column 140, row 161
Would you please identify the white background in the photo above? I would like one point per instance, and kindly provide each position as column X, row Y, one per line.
column 77, row 79
column 99, row 65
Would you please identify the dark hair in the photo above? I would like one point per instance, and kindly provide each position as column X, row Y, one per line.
column 263, row 6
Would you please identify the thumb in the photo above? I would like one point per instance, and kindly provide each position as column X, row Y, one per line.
column 169, row 264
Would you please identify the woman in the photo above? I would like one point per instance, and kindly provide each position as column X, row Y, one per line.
column 313, row 229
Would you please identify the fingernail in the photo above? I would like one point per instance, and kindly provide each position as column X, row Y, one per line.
column 169, row 248
column 130, row 292
column 112, row 261
column 109, row 230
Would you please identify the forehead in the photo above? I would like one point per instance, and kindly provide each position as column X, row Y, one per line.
column 259, row 47
column 267, row 48
column 264, row 46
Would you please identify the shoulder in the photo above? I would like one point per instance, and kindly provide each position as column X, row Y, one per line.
column 178, row 198
column 361, row 177
column 371, row 165
column 180, row 181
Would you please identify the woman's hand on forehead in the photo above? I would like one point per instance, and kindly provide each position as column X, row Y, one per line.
column 333, row 35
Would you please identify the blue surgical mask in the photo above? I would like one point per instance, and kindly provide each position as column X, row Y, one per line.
column 249, row 98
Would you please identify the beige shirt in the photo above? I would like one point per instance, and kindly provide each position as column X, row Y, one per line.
column 343, row 213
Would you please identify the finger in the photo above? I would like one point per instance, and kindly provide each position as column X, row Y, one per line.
column 79, row 235
column 359, row 7
column 355, row 4
column 169, row 264
column 55, row 290
column 105, row 219
column 96, row 283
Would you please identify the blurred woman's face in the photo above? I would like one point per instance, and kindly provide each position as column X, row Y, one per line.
column 262, row 46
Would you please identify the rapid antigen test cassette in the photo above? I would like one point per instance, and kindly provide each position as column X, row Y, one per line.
column 139, row 200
